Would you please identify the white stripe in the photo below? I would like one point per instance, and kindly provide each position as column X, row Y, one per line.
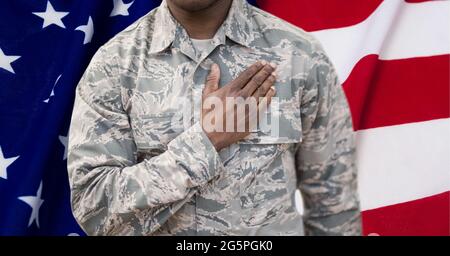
column 396, row 30
column 402, row 163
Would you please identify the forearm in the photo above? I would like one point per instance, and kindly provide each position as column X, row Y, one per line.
column 330, row 194
column 112, row 193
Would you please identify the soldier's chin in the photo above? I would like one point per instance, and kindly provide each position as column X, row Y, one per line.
column 194, row 5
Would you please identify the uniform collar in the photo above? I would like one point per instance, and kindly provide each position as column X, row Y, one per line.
column 168, row 32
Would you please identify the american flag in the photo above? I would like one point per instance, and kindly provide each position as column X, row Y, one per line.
column 392, row 57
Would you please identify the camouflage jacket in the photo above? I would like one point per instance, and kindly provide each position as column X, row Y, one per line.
column 137, row 166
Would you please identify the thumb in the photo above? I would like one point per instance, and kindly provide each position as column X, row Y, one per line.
column 212, row 80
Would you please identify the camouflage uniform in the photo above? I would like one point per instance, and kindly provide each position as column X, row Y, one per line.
column 137, row 167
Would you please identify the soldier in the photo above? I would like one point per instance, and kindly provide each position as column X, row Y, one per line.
column 143, row 158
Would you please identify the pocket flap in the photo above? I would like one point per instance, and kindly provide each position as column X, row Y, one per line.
column 279, row 126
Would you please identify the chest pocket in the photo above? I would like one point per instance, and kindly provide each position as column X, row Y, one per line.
column 281, row 125
column 153, row 132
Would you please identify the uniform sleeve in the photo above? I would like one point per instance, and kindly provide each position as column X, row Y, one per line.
column 326, row 168
column 112, row 193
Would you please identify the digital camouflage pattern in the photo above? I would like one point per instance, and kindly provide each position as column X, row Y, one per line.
column 140, row 164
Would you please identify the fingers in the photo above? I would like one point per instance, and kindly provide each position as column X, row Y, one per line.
column 264, row 88
column 258, row 80
column 270, row 94
column 263, row 103
column 245, row 76
column 212, row 80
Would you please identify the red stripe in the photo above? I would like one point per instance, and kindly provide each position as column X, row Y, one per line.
column 425, row 217
column 321, row 14
column 383, row 93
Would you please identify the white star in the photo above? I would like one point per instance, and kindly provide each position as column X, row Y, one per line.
column 88, row 31
column 52, row 93
column 63, row 140
column 35, row 202
column 51, row 16
column 6, row 60
column 4, row 163
column 120, row 8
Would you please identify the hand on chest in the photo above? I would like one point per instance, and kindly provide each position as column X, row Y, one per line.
column 168, row 93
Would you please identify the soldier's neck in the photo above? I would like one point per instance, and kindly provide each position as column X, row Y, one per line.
column 202, row 24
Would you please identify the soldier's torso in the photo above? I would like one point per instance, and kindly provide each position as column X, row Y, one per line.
column 255, row 193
